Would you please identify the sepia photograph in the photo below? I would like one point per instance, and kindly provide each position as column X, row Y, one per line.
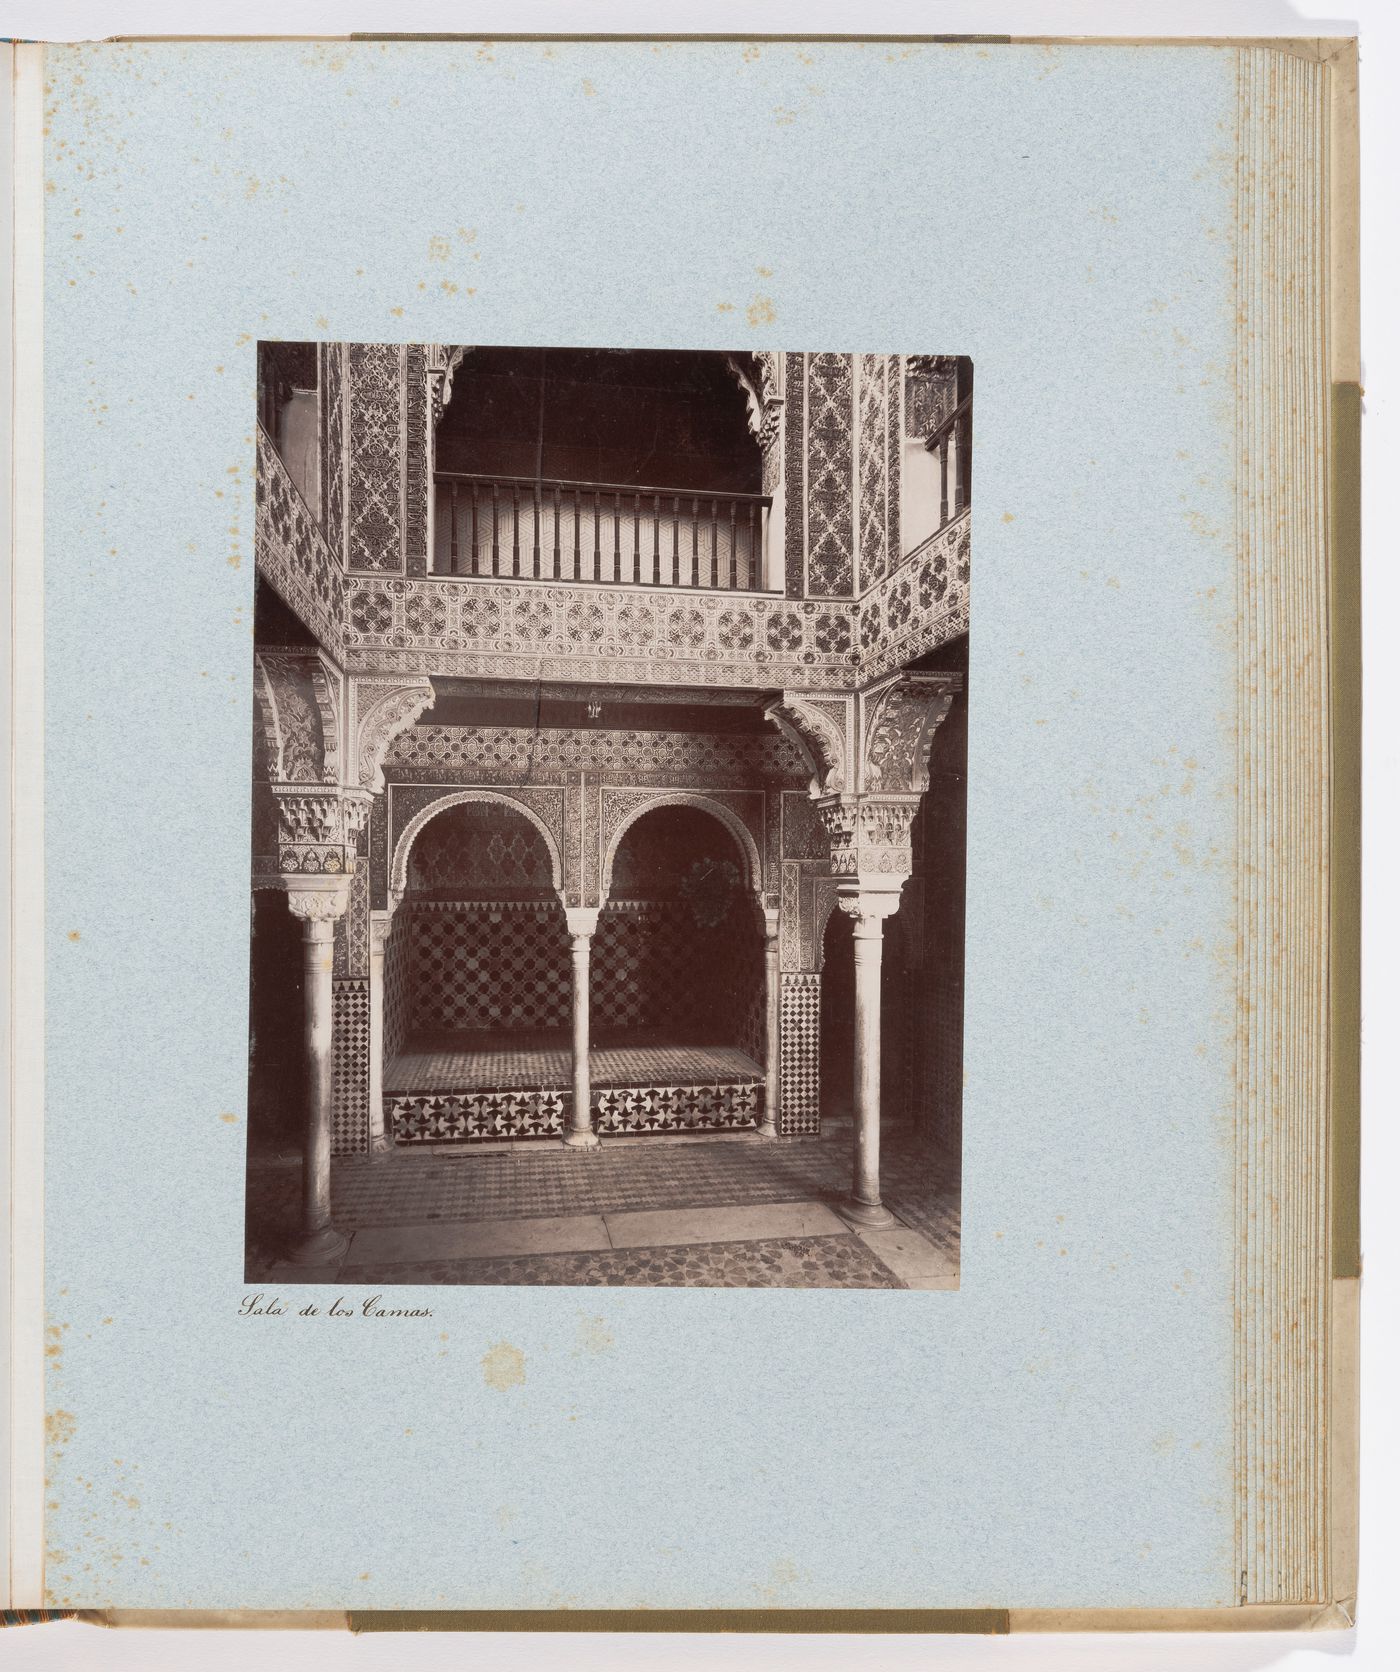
column 608, row 817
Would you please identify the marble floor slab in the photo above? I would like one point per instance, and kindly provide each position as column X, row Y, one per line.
column 477, row 1239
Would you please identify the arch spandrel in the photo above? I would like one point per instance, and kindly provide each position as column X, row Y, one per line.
column 398, row 868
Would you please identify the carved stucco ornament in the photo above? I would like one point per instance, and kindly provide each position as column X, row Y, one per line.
column 816, row 736
column 442, row 361
column 900, row 720
column 760, row 378
column 297, row 702
column 384, row 709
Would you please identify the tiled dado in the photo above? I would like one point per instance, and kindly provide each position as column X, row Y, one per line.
column 350, row 1066
column 799, row 1054
column 488, row 1116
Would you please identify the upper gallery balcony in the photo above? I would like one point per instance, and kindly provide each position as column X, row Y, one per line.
column 601, row 466
column 533, row 528
column 755, row 519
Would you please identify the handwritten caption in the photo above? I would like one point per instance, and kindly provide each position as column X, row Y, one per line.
column 273, row 1306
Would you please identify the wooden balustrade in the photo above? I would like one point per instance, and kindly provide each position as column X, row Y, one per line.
column 530, row 528
column 951, row 445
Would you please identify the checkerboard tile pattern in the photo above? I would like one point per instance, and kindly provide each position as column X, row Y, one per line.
column 491, row 968
column 800, row 1054
column 398, row 991
column 350, row 1066
column 639, row 954
column 753, row 1016
column 654, row 967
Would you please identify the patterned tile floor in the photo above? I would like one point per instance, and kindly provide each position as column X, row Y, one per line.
column 837, row 1262
column 920, row 1188
column 463, row 1062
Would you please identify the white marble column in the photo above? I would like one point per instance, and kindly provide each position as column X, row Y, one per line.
column 772, row 1061
column 869, row 911
column 381, row 927
column 318, row 901
column 583, row 923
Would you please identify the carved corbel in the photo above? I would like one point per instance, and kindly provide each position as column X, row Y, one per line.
column 297, row 696
column 898, row 723
column 443, row 360
column 265, row 719
column 384, row 710
column 817, row 738
column 760, row 378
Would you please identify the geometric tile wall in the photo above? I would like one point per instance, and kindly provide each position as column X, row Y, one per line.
column 507, row 968
column 489, row 968
column 800, row 1054
column 621, row 1109
column 751, row 999
column 350, row 1065
column 485, row 1116
column 477, row 1116
column 398, row 987
column 638, row 974
column 479, row 848
column 654, row 967
column 697, row 758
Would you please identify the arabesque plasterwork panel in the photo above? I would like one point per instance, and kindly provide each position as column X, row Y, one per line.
column 292, row 552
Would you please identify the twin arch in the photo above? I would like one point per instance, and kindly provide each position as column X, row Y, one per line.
column 748, row 848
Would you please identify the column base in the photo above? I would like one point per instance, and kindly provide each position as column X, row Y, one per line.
column 319, row 1248
column 769, row 1134
column 869, row 1216
column 581, row 1140
column 381, row 1144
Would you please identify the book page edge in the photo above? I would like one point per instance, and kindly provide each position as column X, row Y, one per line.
column 24, row 1570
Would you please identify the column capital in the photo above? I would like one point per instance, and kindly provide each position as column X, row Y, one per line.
column 869, row 907
column 582, row 921
column 870, row 838
column 318, row 826
column 317, row 900
column 771, row 916
column 381, row 926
